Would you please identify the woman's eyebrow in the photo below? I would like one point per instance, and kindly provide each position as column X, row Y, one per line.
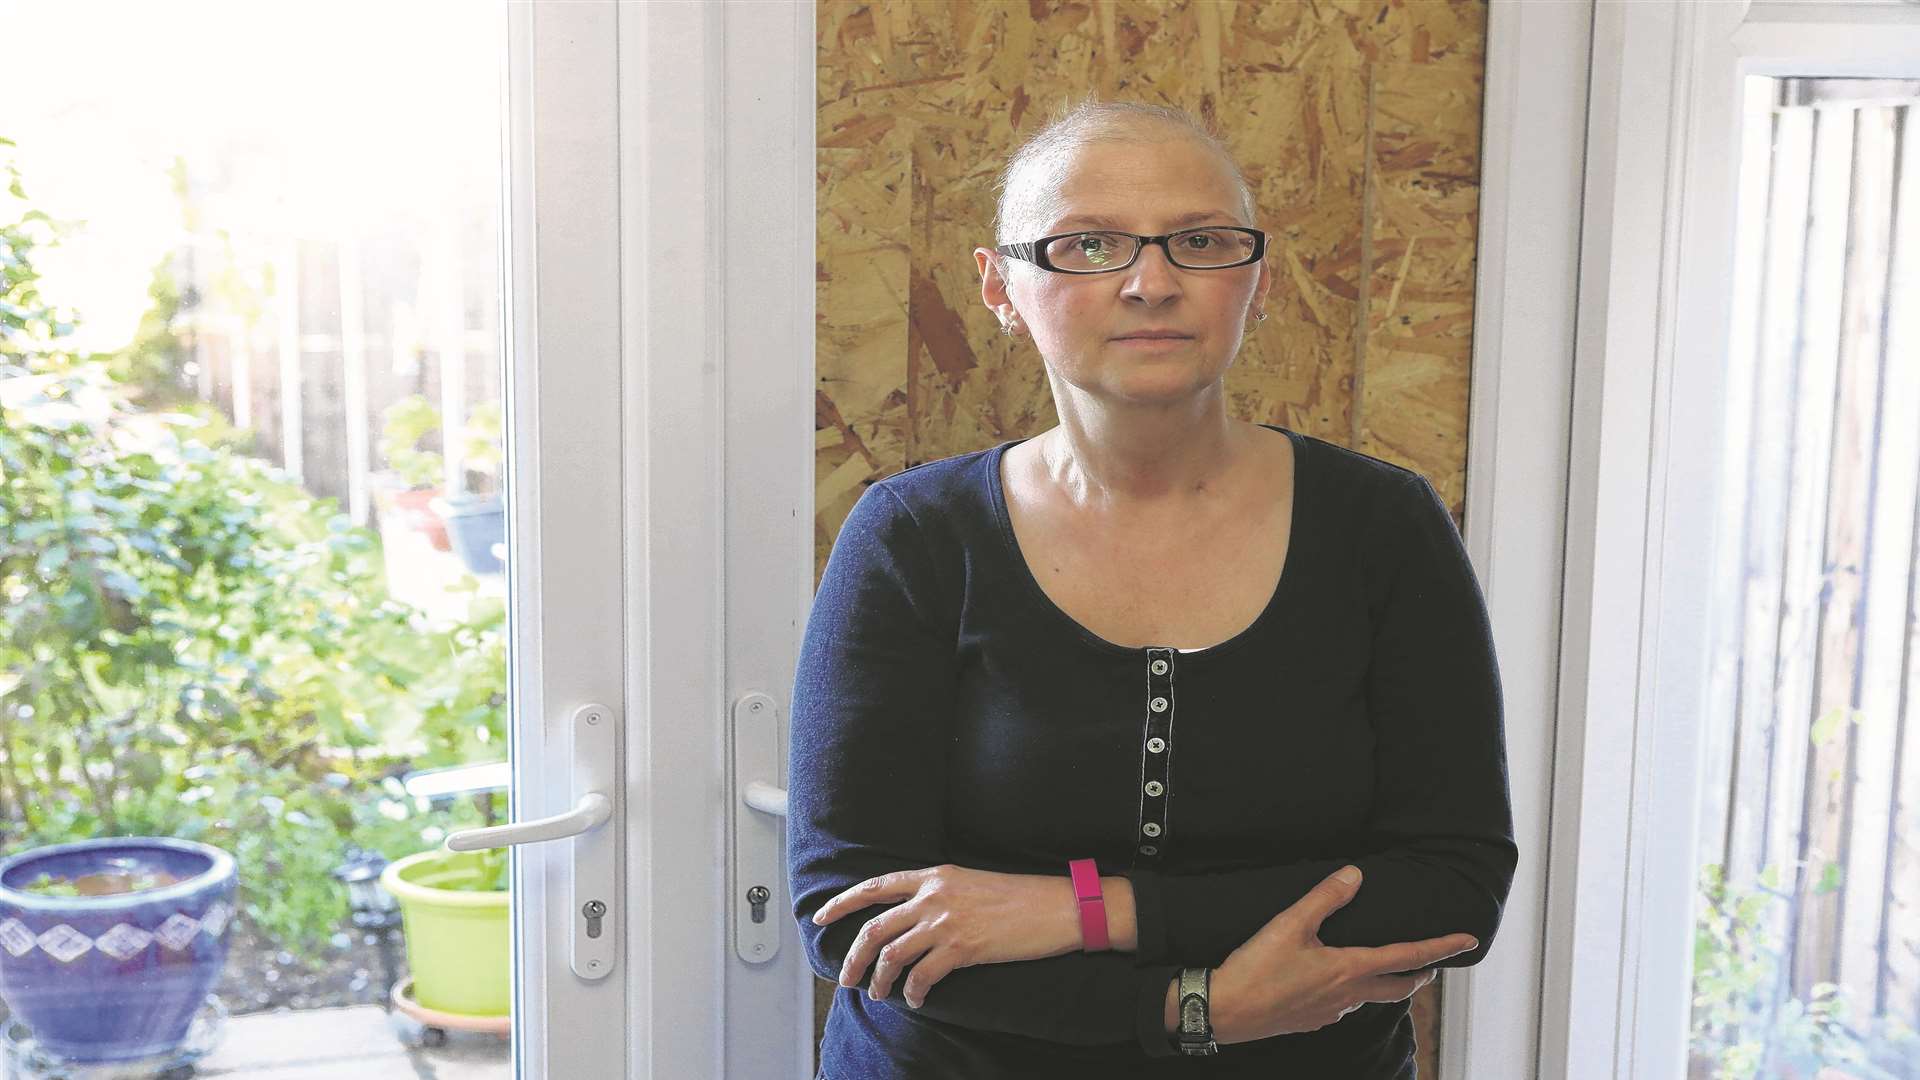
column 1106, row 222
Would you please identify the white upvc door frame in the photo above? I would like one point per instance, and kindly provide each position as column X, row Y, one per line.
column 1656, row 226
column 564, row 517
column 1518, row 435
column 662, row 522
column 716, row 126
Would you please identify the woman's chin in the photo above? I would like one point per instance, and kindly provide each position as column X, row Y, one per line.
column 1153, row 346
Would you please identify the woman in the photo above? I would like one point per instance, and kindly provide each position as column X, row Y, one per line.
column 1085, row 725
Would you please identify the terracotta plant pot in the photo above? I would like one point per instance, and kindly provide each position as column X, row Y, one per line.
column 416, row 505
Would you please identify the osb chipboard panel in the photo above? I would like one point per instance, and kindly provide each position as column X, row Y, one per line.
column 1357, row 122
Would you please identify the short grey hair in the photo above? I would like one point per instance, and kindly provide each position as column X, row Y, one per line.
column 1092, row 121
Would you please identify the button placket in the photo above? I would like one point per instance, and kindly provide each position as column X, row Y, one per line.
column 1156, row 758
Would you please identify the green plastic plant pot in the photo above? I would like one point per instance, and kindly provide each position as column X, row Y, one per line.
column 459, row 941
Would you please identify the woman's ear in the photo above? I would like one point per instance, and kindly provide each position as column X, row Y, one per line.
column 993, row 287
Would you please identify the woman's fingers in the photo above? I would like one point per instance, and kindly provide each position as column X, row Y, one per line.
column 936, row 965
column 1414, row 955
column 875, row 890
column 896, row 955
column 1332, row 894
column 1391, row 987
column 876, row 933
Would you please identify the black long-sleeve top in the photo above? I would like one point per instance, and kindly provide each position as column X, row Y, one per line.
column 945, row 710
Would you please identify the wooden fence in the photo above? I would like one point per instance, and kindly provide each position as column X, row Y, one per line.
column 1812, row 745
column 353, row 324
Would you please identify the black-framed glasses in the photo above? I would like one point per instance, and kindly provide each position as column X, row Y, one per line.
column 1102, row 251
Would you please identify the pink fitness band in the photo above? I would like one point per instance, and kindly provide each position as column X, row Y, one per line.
column 1093, row 909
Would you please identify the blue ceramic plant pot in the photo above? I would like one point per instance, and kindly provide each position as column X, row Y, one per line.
column 114, row 977
column 476, row 523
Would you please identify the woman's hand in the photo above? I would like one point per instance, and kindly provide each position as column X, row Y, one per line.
column 953, row 917
column 1284, row 980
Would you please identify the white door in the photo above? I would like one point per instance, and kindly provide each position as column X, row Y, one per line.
column 663, row 241
column 357, row 285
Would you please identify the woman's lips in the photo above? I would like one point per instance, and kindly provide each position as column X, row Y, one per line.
column 1152, row 342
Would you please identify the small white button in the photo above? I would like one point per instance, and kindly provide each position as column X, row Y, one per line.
column 1154, row 788
column 1156, row 744
column 1158, row 667
column 1158, row 704
column 1149, row 849
column 1150, row 829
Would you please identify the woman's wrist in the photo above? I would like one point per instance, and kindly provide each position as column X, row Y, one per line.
column 1219, row 999
column 1123, row 932
column 1172, row 1017
column 1116, row 895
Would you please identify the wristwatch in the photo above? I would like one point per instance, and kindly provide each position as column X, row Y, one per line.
column 1196, row 1027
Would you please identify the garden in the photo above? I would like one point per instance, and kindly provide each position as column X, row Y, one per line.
column 1746, row 1022
column 194, row 647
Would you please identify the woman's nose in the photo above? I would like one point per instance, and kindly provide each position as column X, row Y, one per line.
column 1151, row 278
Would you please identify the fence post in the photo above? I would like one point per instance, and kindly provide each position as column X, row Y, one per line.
column 286, row 284
column 240, row 335
column 450, row 325
column 353, row 354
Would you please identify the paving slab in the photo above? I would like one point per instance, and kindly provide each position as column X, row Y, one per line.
column 359, row 1041
column 297, row 1037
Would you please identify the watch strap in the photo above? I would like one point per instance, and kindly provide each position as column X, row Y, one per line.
column 1093, row 905
column 1196, row 1023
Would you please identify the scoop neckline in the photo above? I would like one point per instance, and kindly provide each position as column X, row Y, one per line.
column 1288, row 569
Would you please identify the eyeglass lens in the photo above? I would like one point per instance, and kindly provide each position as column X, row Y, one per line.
column 1198, row 249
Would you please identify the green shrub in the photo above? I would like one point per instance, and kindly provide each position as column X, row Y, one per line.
column 1745, row 1024
column 402, row 425
column 191, row 645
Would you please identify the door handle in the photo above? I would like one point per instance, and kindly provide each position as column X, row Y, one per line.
column 587, row 870
column 758, row 874
column 593, row 810
column 766, row 798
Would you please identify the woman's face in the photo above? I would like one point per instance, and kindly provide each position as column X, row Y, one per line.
column 1081, row 322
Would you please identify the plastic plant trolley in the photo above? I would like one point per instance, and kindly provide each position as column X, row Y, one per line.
column 435, row 1023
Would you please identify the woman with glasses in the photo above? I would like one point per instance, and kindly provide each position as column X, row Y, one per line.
column 1159, row 734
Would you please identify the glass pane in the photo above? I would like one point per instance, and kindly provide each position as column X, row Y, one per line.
column 1090, row 250
column 1807, row 933
column 252, row 577
column 1213, row 247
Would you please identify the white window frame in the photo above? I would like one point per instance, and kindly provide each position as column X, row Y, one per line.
column 1645, row 363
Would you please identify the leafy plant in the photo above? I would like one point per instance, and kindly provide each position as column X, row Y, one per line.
column 402, row 425
column 413, row 418
column 1744, row 1024
column 192, row 646
column 29, row 324
column 485, row 438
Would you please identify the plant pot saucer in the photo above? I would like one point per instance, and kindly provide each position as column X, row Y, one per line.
column 446, row 1021
column 26, row 1059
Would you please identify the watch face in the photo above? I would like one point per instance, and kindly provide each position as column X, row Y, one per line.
column 1193, row 1013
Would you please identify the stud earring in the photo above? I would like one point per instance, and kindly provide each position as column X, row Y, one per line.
column 1006, row 328
column 1261, row 317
